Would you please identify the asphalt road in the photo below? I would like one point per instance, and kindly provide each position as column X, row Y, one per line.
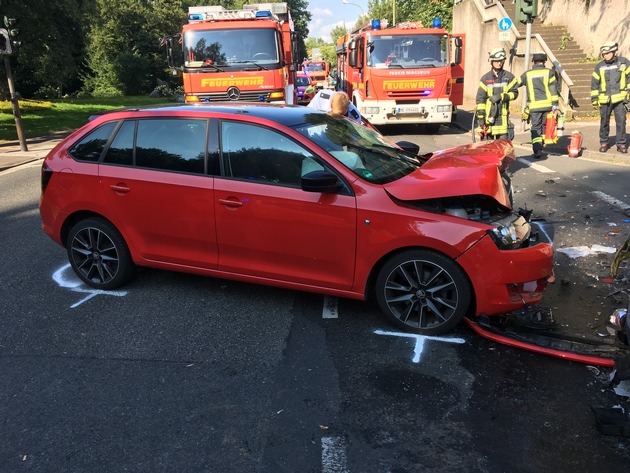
column 181, row 373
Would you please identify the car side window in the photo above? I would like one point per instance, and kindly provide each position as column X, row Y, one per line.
column 172, row 144
column 260, row 154
column 121, row 149
column 91, row 146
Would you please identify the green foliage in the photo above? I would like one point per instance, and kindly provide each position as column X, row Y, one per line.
column 423, row 11
column 123, row 53
column 336, row 33
column 40, row 118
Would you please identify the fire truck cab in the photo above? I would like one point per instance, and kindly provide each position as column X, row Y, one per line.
column 403, row 74
column 245, row 54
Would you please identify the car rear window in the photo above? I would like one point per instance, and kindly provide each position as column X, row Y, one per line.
column 91, row 146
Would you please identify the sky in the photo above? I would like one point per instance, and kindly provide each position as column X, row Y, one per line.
column 330, row 13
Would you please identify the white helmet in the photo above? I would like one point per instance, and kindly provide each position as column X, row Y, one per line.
column 497, row 54
column 609, row 47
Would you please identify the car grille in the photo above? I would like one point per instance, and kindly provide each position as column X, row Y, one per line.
column 247, row 96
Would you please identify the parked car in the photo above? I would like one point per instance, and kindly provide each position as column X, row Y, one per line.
column 292, row 197
column 305, row 88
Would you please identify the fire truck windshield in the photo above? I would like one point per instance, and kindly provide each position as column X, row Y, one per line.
column 236, row 48
column 409, row 51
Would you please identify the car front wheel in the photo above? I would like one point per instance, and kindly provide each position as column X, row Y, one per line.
column 423, row 292
column 98, row 254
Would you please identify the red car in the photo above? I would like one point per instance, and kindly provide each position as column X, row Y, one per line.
column 291, row 197
column 305, row 88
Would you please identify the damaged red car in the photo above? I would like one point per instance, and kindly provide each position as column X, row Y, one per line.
column 292, row 197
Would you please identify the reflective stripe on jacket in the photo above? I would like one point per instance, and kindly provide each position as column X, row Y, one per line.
column 490, row 84
column 541, row 86
column 611, row 82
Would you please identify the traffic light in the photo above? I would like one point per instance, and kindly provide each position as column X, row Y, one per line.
column 13, row 32
column 5, row 43
column 526, row 10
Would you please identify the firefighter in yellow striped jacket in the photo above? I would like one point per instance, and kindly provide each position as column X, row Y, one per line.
column 610, row 88
column 541, row 88
column 496, row 89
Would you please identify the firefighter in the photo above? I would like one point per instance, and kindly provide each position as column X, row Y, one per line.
column 496, row 89
column 610, row 87
column 542, row 97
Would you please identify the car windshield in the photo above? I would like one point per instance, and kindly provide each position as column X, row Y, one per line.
column 303, row 81
column 408, row 51
column 231, row 48
column 313, row 67
column 364, row 151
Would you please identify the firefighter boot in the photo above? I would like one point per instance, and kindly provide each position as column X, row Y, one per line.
column 603, row 147
column 623, row 149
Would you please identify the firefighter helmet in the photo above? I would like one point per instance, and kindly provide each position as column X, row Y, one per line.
column 497, row 54
column 609, row 47
column 539, row 57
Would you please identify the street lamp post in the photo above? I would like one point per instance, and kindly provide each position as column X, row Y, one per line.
column 347, row 2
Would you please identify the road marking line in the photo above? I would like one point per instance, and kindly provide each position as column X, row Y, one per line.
column 611, row 200
column 73, row 284
column 536, row 166
column 334, row 455
column 420, row 339
column 330, row 308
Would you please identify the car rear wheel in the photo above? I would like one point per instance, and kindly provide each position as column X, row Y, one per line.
column 423, row 292
column 98, row 254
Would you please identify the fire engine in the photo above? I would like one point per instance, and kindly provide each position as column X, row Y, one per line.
column 317, row 70
column 245, row 54
column 403, row 74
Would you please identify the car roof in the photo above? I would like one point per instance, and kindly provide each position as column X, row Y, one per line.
column 287, row 115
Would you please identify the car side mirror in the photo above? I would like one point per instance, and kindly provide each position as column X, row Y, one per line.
column 409, row 147
column 321, row 181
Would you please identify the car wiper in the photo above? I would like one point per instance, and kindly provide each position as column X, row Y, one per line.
column 255, row 64
column 395, row 65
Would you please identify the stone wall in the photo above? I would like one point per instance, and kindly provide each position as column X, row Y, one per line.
column 591, row 22
column 601, row 21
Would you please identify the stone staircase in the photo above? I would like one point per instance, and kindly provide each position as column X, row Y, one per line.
column 571, row 57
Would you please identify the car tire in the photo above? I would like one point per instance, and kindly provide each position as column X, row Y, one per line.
column 98, row 254
column 422, row 291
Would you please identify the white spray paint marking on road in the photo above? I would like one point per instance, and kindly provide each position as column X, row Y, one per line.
column 611, row 200
column 74, row 285
column 420, row 339
column 330, row 308
column 334, row 455
column 536, row 166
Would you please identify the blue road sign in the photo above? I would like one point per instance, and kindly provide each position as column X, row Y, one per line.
column 505, row 24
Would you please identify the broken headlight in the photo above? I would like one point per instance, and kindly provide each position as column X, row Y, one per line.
column 509, row 235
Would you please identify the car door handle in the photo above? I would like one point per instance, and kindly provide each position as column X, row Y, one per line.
column 122, row 188
column 230, row 203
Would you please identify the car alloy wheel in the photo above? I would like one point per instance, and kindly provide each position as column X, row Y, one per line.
column 423, row 291
column 98, row 254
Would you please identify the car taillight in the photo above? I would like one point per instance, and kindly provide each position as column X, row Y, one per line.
column 46, row 175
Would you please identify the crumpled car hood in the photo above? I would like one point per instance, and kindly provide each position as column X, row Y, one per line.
column 473, row 169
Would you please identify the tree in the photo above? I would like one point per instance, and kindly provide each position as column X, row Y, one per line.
column 423, row 11
column 51, row 56
column 123, row 54
column 337, row 32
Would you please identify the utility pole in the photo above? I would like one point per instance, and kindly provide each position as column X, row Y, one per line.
column 15, row 105
column 9, row 45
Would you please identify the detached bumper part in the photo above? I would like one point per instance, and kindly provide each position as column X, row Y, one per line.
column 534, row 329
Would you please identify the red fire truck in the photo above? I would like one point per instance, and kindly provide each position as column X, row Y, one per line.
column 245, row 54
column 317, row 70
column 403, row 74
